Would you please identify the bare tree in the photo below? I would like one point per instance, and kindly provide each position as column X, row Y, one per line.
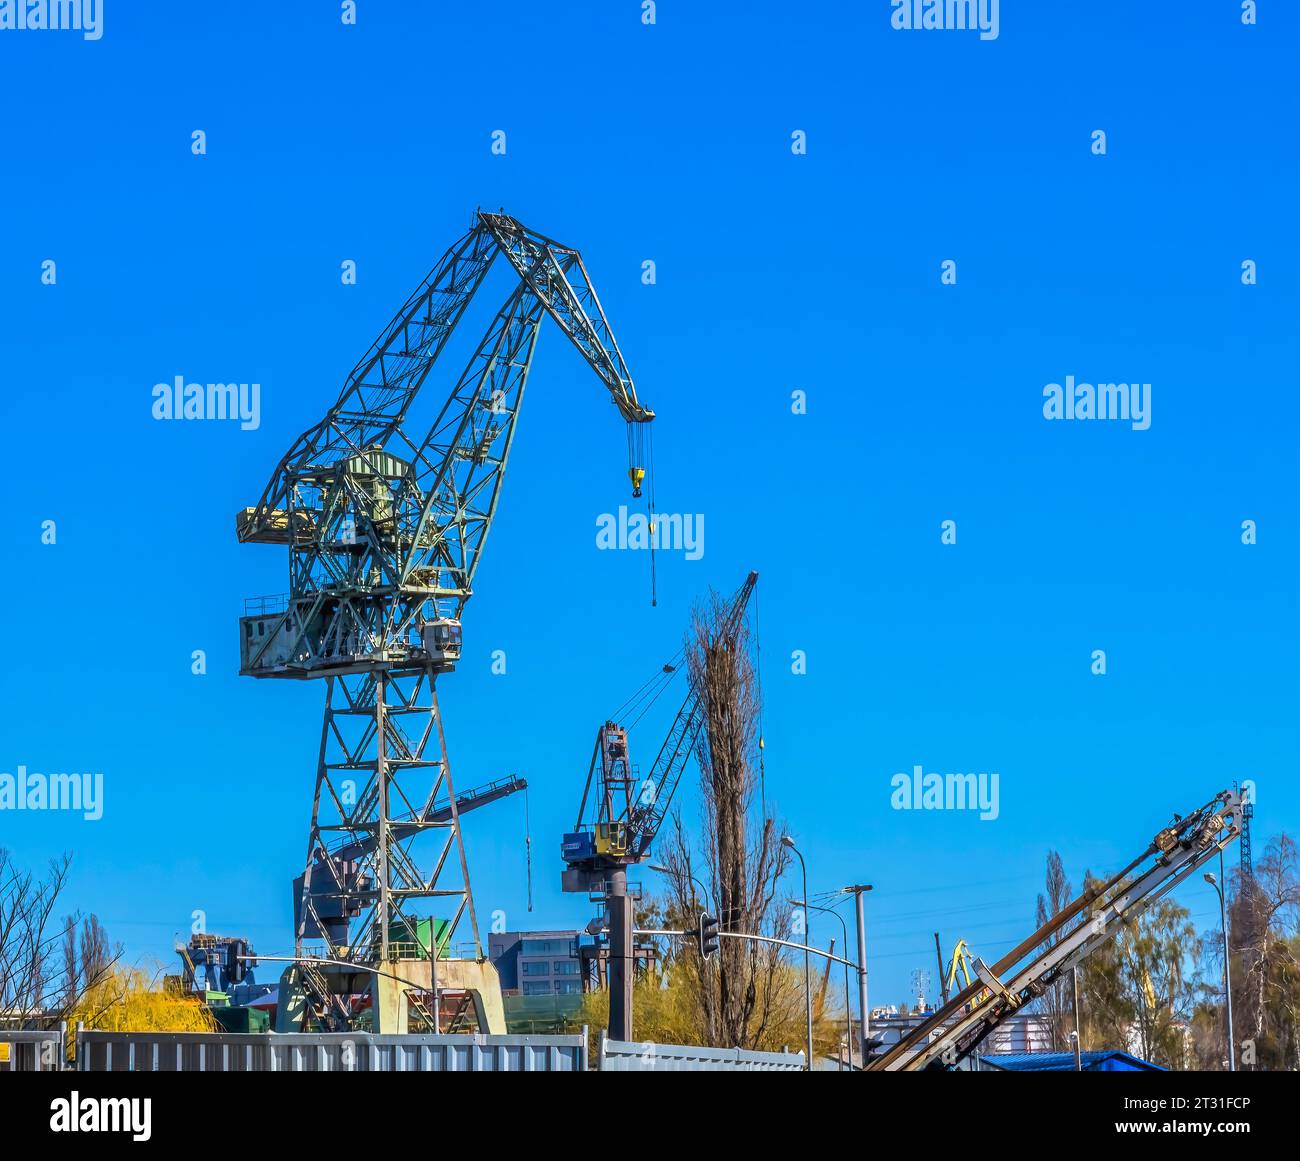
column 1265, row 934
column 747, row 992
column 38, row 985
column 27, row 938
column 1056, row 1004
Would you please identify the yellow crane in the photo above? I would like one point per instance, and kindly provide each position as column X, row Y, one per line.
column 960, row 961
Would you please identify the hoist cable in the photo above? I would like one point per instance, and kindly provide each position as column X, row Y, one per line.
column 664, row 676
column 528, row 848
column 650, row 465
column 758, row 673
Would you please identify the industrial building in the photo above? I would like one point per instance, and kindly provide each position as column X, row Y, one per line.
column 537, row 963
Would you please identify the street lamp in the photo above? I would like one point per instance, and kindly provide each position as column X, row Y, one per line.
column 661, row 869
column 1227, row 970
column 807, row 959
column 848, row 1006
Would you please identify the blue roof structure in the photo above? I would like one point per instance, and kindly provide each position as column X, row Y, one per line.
column 1064, row 1062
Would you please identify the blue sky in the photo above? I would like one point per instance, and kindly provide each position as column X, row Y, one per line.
column 775, row 273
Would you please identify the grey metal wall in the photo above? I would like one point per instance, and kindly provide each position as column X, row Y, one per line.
column 648, row 1056
column 333, row 1052
column 358, row 1052
column 31, row 1051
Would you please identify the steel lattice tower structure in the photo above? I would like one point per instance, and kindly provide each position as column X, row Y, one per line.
column 385, row 528
column 1247, row 813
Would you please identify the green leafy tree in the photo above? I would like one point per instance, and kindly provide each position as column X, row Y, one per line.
column 1138, row 990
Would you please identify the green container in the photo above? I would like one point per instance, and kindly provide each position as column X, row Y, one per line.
column 242, row 1019
column 402, row 946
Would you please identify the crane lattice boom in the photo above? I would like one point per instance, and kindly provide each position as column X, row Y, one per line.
column 385, row 526
column 627, row 818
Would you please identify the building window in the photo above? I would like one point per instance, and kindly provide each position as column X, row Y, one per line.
column 565, row 967
column 567, row 987
column 537, row 987
column 546, row 947
column 535, row 967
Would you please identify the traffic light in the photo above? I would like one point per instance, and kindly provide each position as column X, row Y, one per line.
column 708, row 935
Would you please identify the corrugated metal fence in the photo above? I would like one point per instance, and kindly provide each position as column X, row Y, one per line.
column 31, row 1051
column 648, row 1056
column 359, row 1052
column 325, row 1052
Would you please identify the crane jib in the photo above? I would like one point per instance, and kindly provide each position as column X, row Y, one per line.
column 626, row 818
column 386, row 526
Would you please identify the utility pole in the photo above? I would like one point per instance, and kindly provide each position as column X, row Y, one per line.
column 943, row 979
column 863, row 1010
column 1078, row 1023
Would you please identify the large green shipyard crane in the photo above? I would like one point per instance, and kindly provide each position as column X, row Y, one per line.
column 385, row 526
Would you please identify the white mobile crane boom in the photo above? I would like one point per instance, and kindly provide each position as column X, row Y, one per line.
column 1091, row 920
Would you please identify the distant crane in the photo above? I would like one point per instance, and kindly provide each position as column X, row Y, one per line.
column 958, row 963
column 385, row 528
column 620, row 813
column 1244, row 851
column 216, row 963
column 819, row 1001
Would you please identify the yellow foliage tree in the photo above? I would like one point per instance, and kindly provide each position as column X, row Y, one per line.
column 130, row 1000
column 666, row 1009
